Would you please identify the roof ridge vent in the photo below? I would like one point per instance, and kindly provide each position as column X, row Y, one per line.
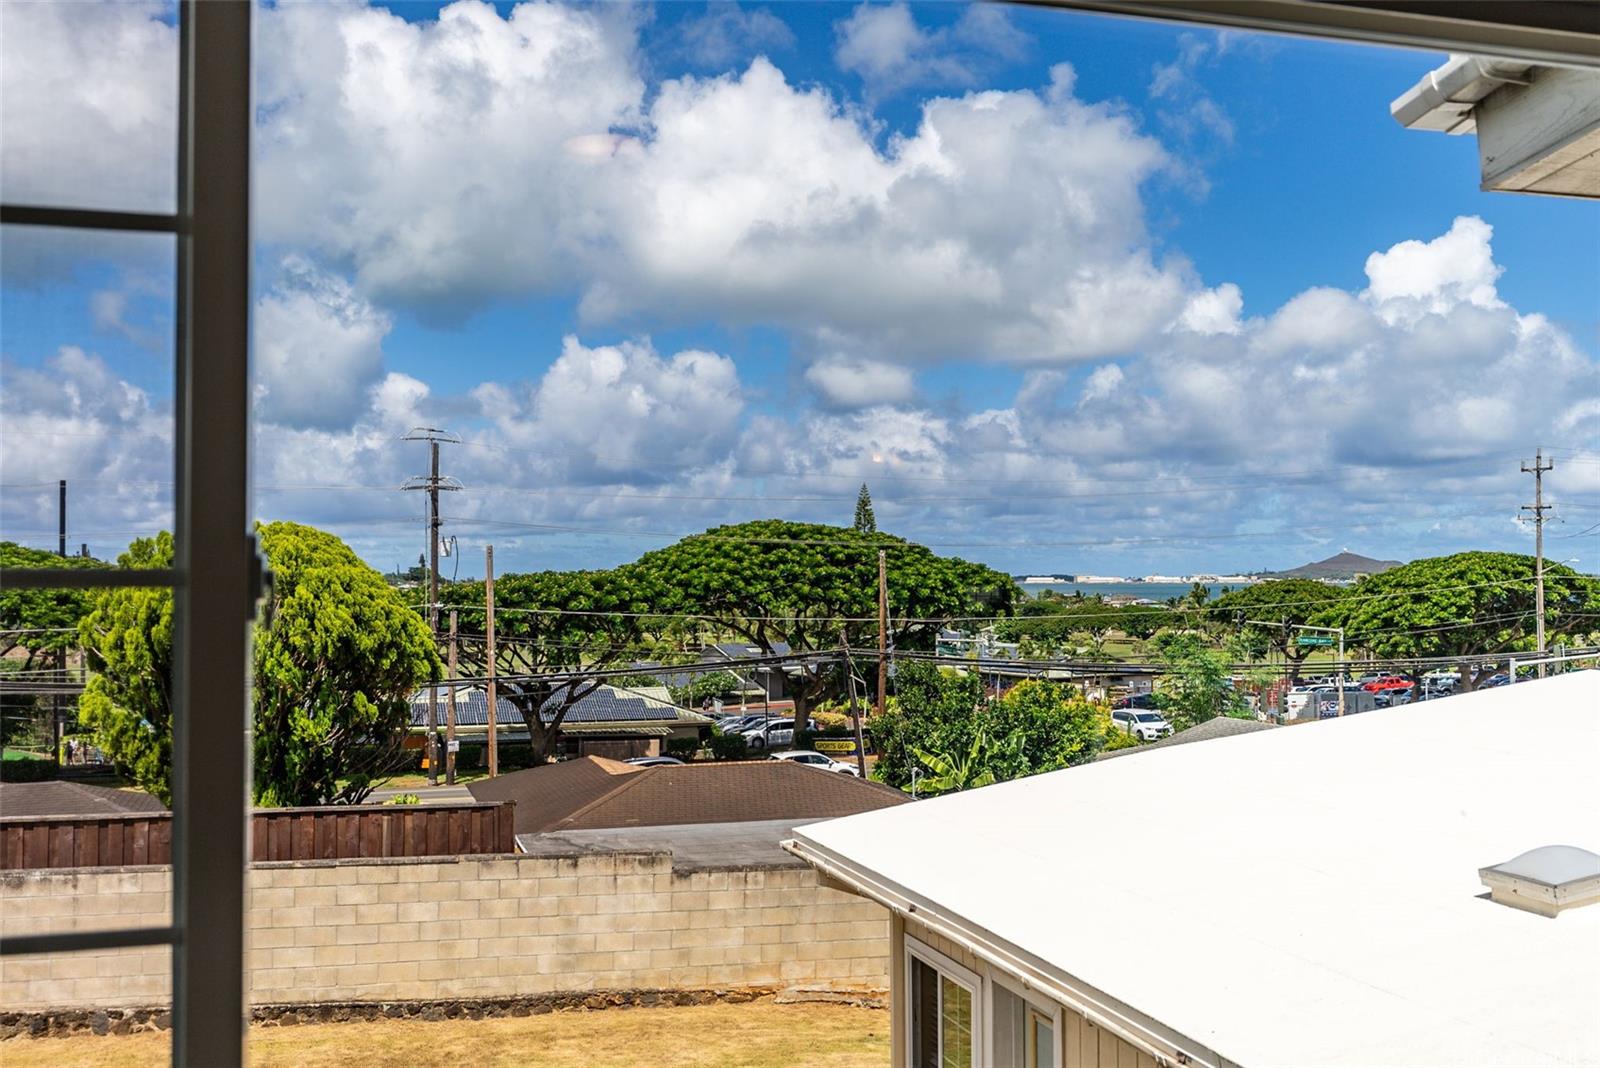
column 1547, row 880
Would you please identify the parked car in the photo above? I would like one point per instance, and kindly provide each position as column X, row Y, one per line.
column 773, row 733
column 652, row 761
column 1135, row 700
column 1384, row 683
column 739, row 722
column 812, row 759
column 1142, row 724
column 1492, row 681
column 1300, row 699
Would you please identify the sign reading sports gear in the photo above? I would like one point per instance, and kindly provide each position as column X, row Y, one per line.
column 835, row 747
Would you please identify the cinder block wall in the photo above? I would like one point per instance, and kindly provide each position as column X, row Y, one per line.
column 450, row 928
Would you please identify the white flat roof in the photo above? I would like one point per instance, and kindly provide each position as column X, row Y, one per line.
column 1304, row 896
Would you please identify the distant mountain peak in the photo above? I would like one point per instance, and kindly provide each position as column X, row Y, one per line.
column 1342, row 565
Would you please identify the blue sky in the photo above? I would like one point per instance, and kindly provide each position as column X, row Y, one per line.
column 1070, row 292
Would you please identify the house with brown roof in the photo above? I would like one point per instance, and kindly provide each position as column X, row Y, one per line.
column 63, row 798
column 610, row 721
column 713, row 809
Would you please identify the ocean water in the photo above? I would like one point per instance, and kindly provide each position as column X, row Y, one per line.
column 1152, row 591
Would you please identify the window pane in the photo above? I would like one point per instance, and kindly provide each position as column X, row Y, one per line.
column 1044, row 1044
column 924, row 1015
column 88, row 102
column 955, row 1024
column 1010, row 1029
column 86, row 378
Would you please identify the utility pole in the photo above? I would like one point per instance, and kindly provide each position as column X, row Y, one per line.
column 855, row 707
column 433, row 483
column 1538, row 508
column 61, row 518
column 883, row 630
column 494, row 685
column 450, row 710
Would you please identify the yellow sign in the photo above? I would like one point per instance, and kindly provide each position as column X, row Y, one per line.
column 834, row 745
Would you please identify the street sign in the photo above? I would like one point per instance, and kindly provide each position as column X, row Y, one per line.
column 1312, row 639
column 453, row 745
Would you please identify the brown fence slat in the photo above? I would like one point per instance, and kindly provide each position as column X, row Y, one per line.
column 334, row 832
column 160, row 836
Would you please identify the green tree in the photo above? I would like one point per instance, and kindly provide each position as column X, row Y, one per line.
column 1463, row 605
column 1196, row 685
column 1284, row 601
column 1052, row 624
column 949, row 774
column 1035, row 727
column 865, row 522
column 335, row 663
column 554, row 623
column 38, row 628
column 778, row 584
column 1142, row 621
column 40, row 622
column 127, row 641
column 713, row 684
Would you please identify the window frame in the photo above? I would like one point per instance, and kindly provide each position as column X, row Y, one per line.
column 217, row 576
column 958, row 973
column 1032, row 1000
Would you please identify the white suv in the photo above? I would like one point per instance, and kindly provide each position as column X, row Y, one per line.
column 773, row 733
column 1143, row 724
column 822, row 761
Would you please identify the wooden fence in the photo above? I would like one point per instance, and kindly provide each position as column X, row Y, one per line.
column 333, row 833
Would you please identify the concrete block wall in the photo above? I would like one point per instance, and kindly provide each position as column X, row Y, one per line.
column 451, row 928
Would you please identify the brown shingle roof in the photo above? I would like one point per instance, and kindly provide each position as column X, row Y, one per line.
column 592, row 793
column 58, row 798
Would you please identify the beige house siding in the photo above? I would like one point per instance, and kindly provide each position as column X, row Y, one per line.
column 1083, row 1045
column 460, row 928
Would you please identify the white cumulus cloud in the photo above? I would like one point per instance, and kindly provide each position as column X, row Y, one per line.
column 319, row 348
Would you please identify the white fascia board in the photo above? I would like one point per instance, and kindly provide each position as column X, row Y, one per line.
column 1528, row 134
column 1144, row 1032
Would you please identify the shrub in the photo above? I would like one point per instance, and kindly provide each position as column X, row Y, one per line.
column 18, row 767
column 1120, row 739
column 683, row 748
column 404, row 799
column 728, row 746
column 832, row 723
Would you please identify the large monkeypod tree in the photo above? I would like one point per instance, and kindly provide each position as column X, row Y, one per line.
column 337, row 656
column 1267, row 613
column 1464, row 605
column 38, row 629
column 553, row 631
column 801, row 586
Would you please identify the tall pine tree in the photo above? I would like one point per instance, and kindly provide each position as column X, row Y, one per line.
column 866, row 522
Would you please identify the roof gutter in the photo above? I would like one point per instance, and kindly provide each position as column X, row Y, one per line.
column 1445, row 97
column 1167, row 1047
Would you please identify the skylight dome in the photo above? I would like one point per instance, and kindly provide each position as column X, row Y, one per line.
column 1546, row 880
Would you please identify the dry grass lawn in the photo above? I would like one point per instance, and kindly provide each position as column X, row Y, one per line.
column 754, row 1035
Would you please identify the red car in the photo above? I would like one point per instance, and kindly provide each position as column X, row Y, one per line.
column 1388, row 682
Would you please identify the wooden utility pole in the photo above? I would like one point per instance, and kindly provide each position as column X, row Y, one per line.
column 450, row 710
column 883, row 630
column 494, row 686
column 855, row 706
column 1538, row 508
